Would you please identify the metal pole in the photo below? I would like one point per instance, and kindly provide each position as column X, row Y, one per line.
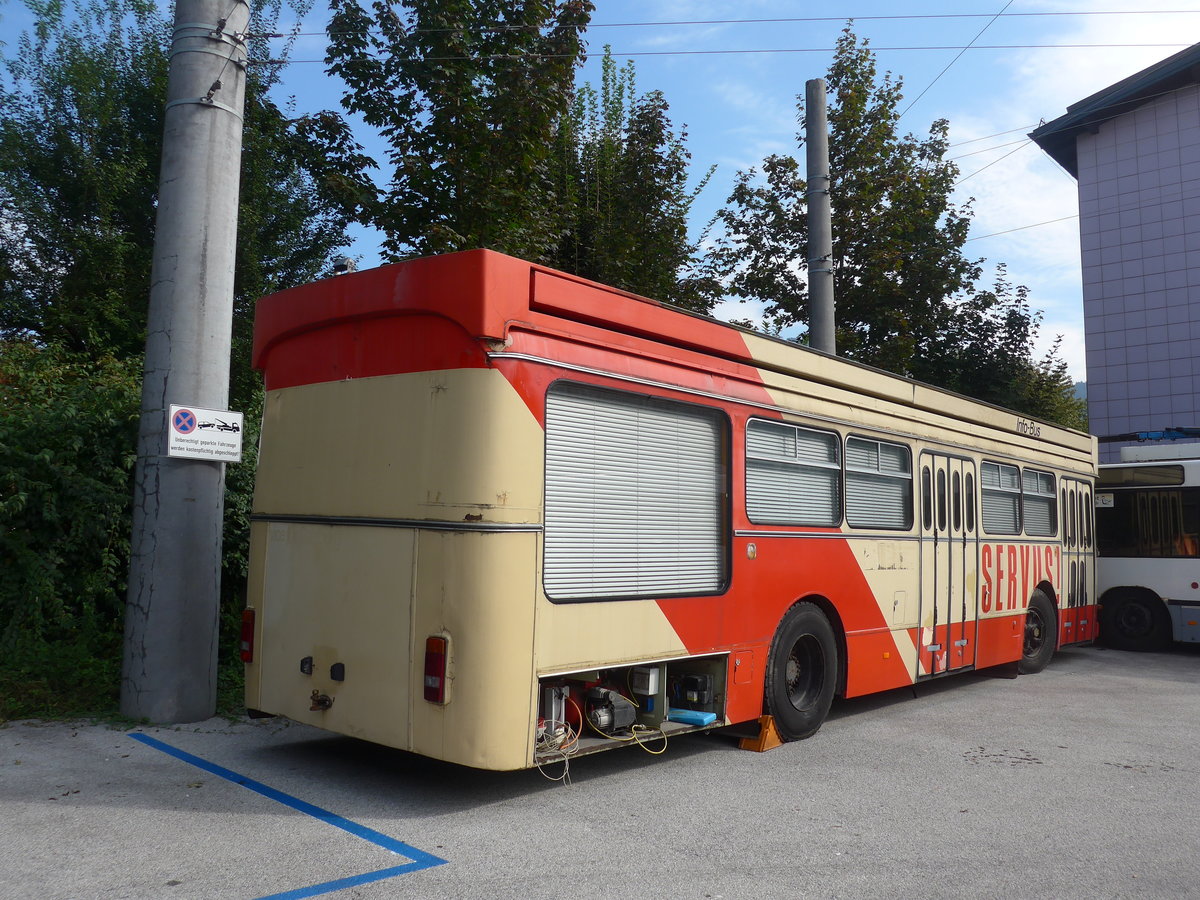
column 820, row 226
column 171, row 614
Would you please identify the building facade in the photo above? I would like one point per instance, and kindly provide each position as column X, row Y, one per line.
column 1134, row 149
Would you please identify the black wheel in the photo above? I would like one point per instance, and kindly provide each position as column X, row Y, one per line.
column 801, row 672
column 1134, row 622
column 1040, row 634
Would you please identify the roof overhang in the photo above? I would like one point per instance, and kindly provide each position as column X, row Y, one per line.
column 1058, row 138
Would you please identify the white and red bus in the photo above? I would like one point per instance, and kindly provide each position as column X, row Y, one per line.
column 1148, row 543
column 504, row 515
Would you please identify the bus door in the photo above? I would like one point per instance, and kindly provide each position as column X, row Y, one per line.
column 1076, row 614
column 949, row 576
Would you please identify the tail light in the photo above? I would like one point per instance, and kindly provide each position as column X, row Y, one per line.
column 247, row 643
column 436, row 651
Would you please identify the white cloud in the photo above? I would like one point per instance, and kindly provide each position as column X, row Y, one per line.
column 1026, row 187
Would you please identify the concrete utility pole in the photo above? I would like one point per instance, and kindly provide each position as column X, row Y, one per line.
column 821, row 334
column 172, row 608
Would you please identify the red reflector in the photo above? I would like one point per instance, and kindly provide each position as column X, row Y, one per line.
column 435, row 669
column 247, row 644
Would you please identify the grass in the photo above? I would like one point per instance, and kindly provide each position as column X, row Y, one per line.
column 82, row 680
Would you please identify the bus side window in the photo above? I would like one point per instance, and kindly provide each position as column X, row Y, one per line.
column 1084, row 539
column 970, row 498
column 956, row 501
column 1154, row 532
column 941, row 499
column 1089, row 515
column 1073, row 520
column 878, row 484
column 793, row 474
column 1066, row 525
column 1191, row 521
column 1000, row 487
column 1181, row 541
column 635, row 489
column 926, row 497
column 1141, row 527
column 1037, row 497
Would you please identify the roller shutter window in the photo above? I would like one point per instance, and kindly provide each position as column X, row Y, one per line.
column 635, row 496
column 1000, row 486
column 1041, row 512
column 878, row 484
column 792, row 475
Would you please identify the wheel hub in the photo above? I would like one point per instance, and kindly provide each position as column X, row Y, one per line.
column 803, row 672
column 1034, row 632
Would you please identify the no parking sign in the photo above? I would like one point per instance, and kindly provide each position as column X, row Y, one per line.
column 197, row 433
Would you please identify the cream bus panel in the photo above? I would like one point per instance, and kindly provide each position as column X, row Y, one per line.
column 479, row 589
column 891, row 568
column 577, row 636
column 414, row 446
column 321, row 584
column 831, row 387
column 345, row 594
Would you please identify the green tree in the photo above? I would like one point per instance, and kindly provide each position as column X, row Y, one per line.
column 907, row 299
column 622, row 180
column 80, row 145
column 78, row 174
column 80, row 140
column 983, row 348
column 468, row 95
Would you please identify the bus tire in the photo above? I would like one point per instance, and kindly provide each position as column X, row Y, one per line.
column 801, row 672
column 1134, row 621
column 1040, row 634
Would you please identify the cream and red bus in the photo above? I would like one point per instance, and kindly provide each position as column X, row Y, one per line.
column 505, row 515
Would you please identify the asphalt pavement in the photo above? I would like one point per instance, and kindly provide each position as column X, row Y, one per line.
column 1082, row 781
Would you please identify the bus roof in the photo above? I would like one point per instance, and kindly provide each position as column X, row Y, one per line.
column 489, row 295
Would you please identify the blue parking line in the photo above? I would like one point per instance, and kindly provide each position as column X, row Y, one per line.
column 420, row 859
column 330, row 886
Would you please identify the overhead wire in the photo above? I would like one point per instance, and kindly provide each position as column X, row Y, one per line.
column 1091, row 123
column 1103, row 212
column 760, row 51
column 1021, row 228
column 986, row 137
column 984, row 150
column 956, row 59
column 792, row 20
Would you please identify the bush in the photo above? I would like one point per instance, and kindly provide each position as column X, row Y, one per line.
column 67, row 434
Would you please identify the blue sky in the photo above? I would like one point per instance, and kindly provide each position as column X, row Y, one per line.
column 1027, row 65
column 740, row 106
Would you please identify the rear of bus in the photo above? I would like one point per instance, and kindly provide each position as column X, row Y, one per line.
column 394, row 530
